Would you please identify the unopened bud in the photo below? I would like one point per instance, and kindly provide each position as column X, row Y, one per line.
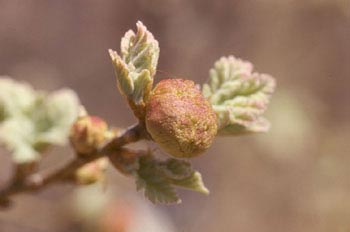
column 92, row 172
column 87, row 134
column 180, row 119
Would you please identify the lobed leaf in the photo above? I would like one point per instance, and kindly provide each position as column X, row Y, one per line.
column 158, row 179
column 140, row 51
column 158, row 190
column 156, row 186
column 238, row 96
column 136, row 66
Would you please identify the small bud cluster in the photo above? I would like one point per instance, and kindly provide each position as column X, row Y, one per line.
column 92, row 172
column 87, row 134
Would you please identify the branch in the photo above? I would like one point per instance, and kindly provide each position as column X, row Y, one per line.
column 39, row 181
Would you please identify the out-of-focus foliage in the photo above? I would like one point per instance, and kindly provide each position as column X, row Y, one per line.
column 116, row 210
column 32, row 120
column 293, row 120
column 238, row 96
column 15, row 98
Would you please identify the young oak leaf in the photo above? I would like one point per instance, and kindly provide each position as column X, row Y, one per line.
column 158, row 190
column 152, row 180
column 239, row 96
column 158, row 179
column 136, row 66
column 140, row 51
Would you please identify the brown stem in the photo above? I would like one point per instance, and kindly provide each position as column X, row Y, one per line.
column 39, row 181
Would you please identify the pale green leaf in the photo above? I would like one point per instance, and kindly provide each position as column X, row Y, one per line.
column 60, row 109
column 143, row 85
column 158, row 178
column 124, row 79
column 15, row 97
column 34, row 119
column 17, row 134
column 259, row 125
column 156, row 186
column 238, row 96
column 193, row 182
column 25, row 154
column 140, row 51
column 16, row 131
column 158, row 190
column 136, row 66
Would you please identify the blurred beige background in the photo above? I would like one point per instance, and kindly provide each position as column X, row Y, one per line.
column 294, row 178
